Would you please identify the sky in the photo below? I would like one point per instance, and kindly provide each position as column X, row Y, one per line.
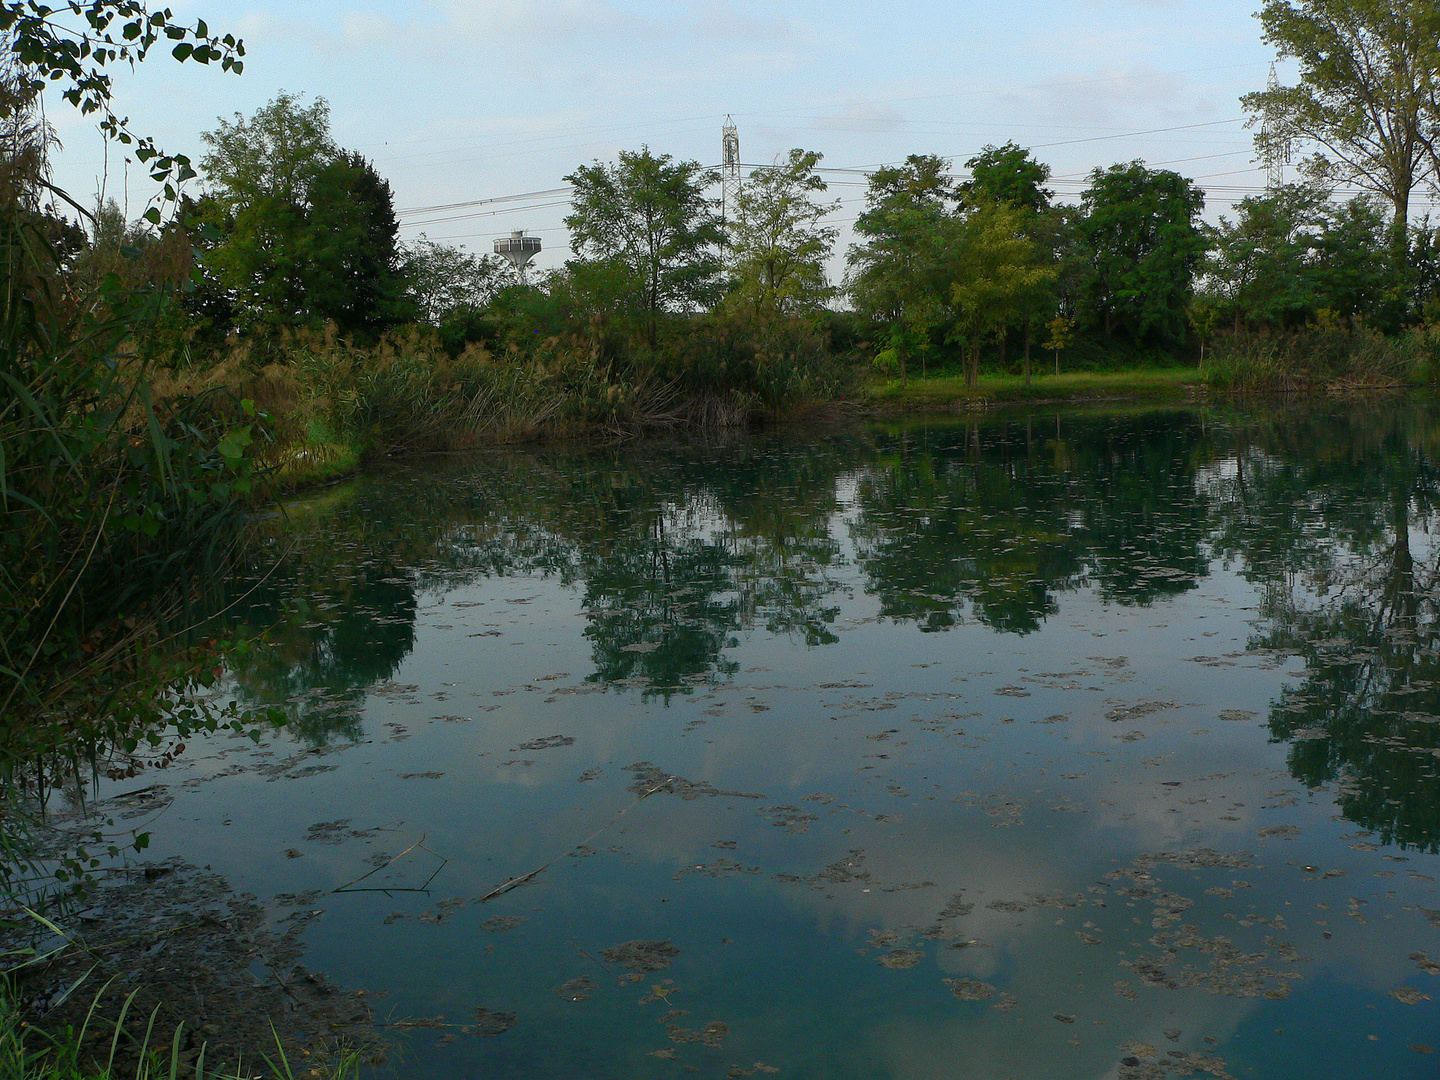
column 458, row 102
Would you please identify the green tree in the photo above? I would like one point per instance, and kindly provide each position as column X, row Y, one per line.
column 1366, row 67
column 778, row 246
column 350, row 251
column 994, row 272
column 311, row 234
column 652, row 214
column 1142, row 244
column 259, row 173
column 1062, row 334
column 1008, row 174
column 276, row 155
column 1353, row 273
column 897, row 277
column 1260, row 268
column 445, row 280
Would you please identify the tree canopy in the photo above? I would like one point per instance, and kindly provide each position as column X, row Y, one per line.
column 308, row 232
column 1142, row 244
column 1009, row 174
column 777, row 245
column 651, row 214
column 1364, row 99
column 994, row 270
column 896, row 276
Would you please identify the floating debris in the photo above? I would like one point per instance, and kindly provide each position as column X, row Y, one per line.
column 650, row 779
column 576, row 989
column 489, row 1024
column 549, row 742
column 712, row 1034
column 1408, row 995
column 498, row 924
column 971, row 989
column 640, row 957
column 899, row 959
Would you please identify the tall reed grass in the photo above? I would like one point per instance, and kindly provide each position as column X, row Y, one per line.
column 1324, row 356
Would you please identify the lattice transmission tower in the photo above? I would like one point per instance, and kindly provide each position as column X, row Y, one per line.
column 729, row 169
column 1274, row 142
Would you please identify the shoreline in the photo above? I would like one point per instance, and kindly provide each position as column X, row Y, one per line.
column 884, row 400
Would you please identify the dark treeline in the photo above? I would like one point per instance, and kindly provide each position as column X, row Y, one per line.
column 671, row 310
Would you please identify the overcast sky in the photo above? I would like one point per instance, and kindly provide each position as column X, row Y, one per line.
column 458, row 101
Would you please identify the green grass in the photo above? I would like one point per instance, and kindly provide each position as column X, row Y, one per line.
column 1165, row 384
column 93, row 1053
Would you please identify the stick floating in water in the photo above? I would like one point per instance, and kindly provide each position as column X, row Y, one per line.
column 513, row 883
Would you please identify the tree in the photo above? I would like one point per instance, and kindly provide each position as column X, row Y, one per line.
column 652, row 214
column 1366, row 67
column 48, row 51
column 350, row 254
column 276, row 155
column 1260, row 266
column 896, row 274
column 312, row 233
column 1008, row 174
column 259, row 173
column 444, row 280
column 1353, row 273
column 778, row 248
column 1062, row 333
column 1141, row 240
column 994, row 272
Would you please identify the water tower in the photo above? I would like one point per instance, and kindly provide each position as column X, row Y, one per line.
column 519, row 249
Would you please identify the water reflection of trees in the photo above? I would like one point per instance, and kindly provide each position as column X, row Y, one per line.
column 1333, row 514
column 677, row 552
column 1005, row 515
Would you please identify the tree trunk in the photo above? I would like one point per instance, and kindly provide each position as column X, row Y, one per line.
column 1400, row 231
column 1027, row 350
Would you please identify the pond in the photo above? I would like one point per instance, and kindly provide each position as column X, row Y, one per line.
column 1085, row 745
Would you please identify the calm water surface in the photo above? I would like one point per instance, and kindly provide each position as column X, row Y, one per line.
column 1077, row 746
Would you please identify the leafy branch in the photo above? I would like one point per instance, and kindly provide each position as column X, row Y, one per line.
column 50, row 48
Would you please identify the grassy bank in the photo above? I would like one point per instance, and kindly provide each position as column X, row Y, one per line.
column 327, row 402
column 949, row 392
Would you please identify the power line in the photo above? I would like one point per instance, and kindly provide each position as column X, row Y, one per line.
column 444, row 207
